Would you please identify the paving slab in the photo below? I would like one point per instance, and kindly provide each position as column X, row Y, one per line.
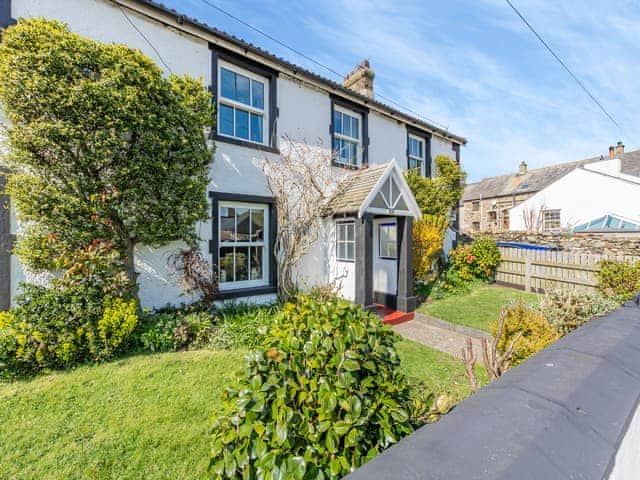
column 441, row 335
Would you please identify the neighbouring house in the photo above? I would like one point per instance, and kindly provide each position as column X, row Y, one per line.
column 499, row 204
column 261, row 100
column 584, row 195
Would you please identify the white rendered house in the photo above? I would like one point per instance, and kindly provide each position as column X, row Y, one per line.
column 261, row 99
column 586, row 193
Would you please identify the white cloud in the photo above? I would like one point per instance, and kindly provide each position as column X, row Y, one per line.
column 492, row 82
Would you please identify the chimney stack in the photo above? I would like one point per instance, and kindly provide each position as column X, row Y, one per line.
column 612, row 152
column 361, row 79
column 619, row 148
column 522, row 169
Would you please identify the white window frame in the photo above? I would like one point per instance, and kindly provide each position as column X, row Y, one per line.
column 387, row 255
column 422, row 160
column 264, row 112
column 545, row 220
column 347, row 138
column 343, row 225
column 232, row 285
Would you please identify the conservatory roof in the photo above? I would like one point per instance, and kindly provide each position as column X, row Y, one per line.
column 609, row 222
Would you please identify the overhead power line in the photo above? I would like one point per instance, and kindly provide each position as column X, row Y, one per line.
column 564, row 65
column 315, row 62
column 135, row 27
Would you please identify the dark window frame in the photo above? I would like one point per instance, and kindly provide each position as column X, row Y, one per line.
column 272, row 286
column 426, row 137
column 364, row 114
column 271, row 110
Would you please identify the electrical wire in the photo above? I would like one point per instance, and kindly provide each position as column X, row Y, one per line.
column 564, row 65
column 315, row 62
column 146, row 39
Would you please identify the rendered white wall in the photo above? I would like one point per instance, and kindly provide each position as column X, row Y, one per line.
column 582, row 195
column 388, row 141
column 627, row 461
column 104, row 21
column 304, row 117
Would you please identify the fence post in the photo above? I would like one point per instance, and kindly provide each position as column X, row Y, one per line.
column 527, row 271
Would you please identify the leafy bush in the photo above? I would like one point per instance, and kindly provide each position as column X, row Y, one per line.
column 449, row 283
column 566, row 310
column 242, row 326
column 323, row 396
column 535, row 331
column 620, row 279
column 51, row 328
column 173, row 329
column 480, row 259
column 119, row 320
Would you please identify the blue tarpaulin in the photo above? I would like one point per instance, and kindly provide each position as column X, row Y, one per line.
column 525, row 246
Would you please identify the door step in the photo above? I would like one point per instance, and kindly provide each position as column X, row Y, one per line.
column 391, row 316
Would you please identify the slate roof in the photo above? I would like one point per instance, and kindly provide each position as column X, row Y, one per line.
column 537, row 179
column 354, row 189
column 249, row 47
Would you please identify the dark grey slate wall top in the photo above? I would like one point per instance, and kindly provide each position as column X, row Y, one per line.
column 560, row 415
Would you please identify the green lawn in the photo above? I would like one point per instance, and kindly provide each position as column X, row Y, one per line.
column 144, row 416
column 478, row 308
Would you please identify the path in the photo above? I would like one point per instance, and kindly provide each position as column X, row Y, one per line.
column 440, row 335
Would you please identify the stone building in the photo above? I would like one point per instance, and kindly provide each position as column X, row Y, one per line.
column 485, row 205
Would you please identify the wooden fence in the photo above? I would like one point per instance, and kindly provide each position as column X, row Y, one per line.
column 540, row 270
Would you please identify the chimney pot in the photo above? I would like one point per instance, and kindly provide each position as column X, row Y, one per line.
column 612, row 152
column 619, row 148
column 522, row 169
column 360, row 80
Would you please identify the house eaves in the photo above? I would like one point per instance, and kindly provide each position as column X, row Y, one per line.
column 171, row 18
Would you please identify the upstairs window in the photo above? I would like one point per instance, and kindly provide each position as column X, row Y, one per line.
column 551, row 219
column 416, row 154
column 347, row 137
column 242, row 97
column 475, row 205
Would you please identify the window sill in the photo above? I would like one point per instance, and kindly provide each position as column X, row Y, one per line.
column 345, row 166
column 245, row 143
column 345, row 261
column 246, row 292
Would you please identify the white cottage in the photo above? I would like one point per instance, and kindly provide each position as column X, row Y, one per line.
column 261, row 99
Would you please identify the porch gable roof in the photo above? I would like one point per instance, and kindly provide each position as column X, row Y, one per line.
column 381, row 189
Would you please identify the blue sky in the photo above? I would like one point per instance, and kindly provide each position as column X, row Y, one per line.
column 472, row 66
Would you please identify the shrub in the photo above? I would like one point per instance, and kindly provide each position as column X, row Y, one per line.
column 566, row 310
column 536, row 332
column 479, row 259
column 171, row 329
column 461, row 262
column 428, row 237
column 51, row 328
column 620, row 279
column 449, row 283
column 119, row 320
column 322, row 397
column 242, row 326
column 486, row 257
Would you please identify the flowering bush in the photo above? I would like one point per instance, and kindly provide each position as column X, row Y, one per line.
column 480, row 259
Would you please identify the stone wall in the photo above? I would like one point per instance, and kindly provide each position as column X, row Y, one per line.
column 489, row 214
column 591, row 243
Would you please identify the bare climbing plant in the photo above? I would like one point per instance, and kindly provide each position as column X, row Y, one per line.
column 197, row 276
column 495, row 363
column 301, row 181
